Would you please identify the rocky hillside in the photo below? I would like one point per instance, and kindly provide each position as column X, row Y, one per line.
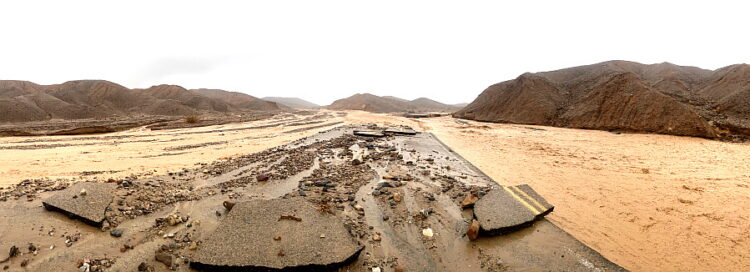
column 624, row 96
column 384, row 104
column 22, row 101
column 240, row 101
column 293, row 102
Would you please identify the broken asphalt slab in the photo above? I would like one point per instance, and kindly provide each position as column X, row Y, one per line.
column 277, row 235
column 86, row 201
column 369, row 133
column 509, row 208
column 400, row 131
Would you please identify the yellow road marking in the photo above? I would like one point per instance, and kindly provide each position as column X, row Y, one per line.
column 520, row 200
column 539, row 205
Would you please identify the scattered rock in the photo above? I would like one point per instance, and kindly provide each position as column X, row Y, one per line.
column 427, row 232
column 262, row 177
column 116, row 232
column 397, row 197
column 165, row 257
column 469, row 201
column 399, row 267
column 290, row 217
column 228, row 205
column 473, row 231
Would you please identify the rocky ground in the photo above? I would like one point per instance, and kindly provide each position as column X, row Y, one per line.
column 398, row 196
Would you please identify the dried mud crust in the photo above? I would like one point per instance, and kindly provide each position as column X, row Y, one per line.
column 398, row 196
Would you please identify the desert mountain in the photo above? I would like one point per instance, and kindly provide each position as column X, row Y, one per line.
column 383, row 104
column 293, row 102
column 621, row 95
column 239, row 100
column 22, row 101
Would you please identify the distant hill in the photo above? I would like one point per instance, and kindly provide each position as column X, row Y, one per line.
column 293, row 102
column 385, row 104
column 239, row 100
column 628, row 96
column 22, row 101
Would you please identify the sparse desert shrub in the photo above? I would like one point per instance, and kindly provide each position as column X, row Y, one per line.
column 192, row 119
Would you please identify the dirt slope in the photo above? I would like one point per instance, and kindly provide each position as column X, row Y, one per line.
column 384, row 104
column 628, row 96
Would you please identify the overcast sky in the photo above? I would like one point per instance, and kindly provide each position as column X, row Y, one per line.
column 324, row 50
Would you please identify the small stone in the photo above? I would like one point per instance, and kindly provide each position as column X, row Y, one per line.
column 277, row 237
column 427, row 232
column 193, row 246
column 376, row 238
column 399, row 267
column 262, row 177
column 322, row 236
column 174, row 220
column 13, row 252
column 83, row 192
column 376, row 269
column 376, row 192
column 385, row 217
column 397, row 197
column 469, row 201
column 116, row 232
column 229, row 205
column 473, row 231
column 142, row 267
column 359, row 207
column 165, row 258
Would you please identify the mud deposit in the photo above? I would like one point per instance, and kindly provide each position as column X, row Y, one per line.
column 398, row 196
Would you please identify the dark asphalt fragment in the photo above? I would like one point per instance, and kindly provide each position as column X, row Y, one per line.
column 241, row 241
column 86, row 201
column 509, row 208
